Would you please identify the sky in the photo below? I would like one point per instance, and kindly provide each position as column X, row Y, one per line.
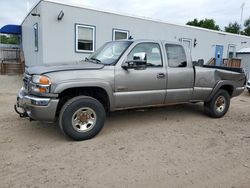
column 172, row 11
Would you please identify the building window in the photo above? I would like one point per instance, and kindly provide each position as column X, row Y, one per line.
column 231, row 50
column 176, row 55
column 35, row 27
column 85, row 38
column 119, row 34
column 187, row 43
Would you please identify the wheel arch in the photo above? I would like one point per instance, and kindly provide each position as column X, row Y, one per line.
column 227, row 85
column 228, row 88
column 97, row 92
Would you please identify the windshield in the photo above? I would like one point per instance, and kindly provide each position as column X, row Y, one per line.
column 110, row 52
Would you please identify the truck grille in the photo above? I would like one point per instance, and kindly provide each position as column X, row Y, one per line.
column 26, row 81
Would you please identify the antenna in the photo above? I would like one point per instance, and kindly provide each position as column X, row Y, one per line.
column 28, row 5
column 242, row 8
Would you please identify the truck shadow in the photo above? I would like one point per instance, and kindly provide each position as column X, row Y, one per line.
column 246, row 93
column 178, row 112
column 49, row 131
column 186, row 109
column 129, row 118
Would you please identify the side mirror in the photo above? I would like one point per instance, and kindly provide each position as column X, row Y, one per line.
column 141, row 56
column 139, row 62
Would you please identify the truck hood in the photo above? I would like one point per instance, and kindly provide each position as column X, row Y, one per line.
column 55, row 67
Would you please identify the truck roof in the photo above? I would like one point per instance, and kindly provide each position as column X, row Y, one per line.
column 150, row 40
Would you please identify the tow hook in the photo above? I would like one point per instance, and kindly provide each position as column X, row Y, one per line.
column 22, row 114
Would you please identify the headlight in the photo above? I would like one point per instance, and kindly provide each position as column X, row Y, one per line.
column 41, row 79
column 40, row 83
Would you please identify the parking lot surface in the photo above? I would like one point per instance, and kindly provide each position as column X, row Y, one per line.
column 174, row 146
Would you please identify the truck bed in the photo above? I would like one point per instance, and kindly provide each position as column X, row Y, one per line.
column 234, row 69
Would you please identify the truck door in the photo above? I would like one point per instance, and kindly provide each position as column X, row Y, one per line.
column 143, row 87
column 180, row 74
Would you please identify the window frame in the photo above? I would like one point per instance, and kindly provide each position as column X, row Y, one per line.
column 189, row 40
column 150, row 43
column 114, row 30
column 228, row 50
column 168, row 58
column 77, row 25
column 35, row 34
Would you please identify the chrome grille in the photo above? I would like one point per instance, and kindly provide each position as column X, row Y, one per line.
column 26, row 81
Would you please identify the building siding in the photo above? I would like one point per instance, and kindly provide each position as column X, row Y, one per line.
column 57, row 38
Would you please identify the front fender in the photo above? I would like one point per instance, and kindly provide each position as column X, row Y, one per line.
column 60, row 87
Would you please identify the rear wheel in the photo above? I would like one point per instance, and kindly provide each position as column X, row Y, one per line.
column 82, row 118
column 218, row 106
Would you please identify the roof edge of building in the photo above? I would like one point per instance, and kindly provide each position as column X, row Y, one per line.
column 130, row 15
column 33, row 7
column 243, row 51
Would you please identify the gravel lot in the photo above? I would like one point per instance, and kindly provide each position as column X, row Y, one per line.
column 175, row 146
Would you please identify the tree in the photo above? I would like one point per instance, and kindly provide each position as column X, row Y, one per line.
column 195, row 22
column 247, row 27
column 206, row 23
column 233, row 28
column 9, row 39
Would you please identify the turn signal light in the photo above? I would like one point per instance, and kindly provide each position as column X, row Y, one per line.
column 42, row 90
column 44, row 80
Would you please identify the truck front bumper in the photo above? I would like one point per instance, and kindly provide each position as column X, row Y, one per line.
column 37, row 108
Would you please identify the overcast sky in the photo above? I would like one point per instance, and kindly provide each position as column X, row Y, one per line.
column 173, row 11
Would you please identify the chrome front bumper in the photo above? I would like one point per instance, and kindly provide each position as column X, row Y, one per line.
column 37, row 108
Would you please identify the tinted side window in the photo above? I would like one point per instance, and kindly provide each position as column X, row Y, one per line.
column 153, row 52
column 176, row 55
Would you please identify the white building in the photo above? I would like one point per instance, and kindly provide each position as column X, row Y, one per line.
column 58, row 32
column 244, row 55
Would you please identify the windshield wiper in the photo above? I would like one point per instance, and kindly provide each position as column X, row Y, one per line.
column 93, row 60
column 87, row 59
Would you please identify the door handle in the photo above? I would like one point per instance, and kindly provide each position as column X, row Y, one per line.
column 160, row 75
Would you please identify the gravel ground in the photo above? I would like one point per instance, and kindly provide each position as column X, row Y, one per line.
column 174, row 146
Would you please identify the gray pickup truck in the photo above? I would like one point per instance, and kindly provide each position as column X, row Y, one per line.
column 122, row 75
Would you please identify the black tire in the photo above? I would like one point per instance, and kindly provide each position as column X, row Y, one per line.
column 79, row 105
column 249, row 91
column 215, row 107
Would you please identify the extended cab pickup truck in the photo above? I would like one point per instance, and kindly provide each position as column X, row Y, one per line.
column 122, row 75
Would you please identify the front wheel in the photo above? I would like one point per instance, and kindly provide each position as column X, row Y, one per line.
column 218, row 106
column 82, row 118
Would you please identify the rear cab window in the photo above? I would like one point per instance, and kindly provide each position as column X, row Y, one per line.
column 176, row 55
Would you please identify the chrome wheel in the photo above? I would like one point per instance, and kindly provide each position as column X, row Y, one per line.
column 84, row 119
column 220, row 104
